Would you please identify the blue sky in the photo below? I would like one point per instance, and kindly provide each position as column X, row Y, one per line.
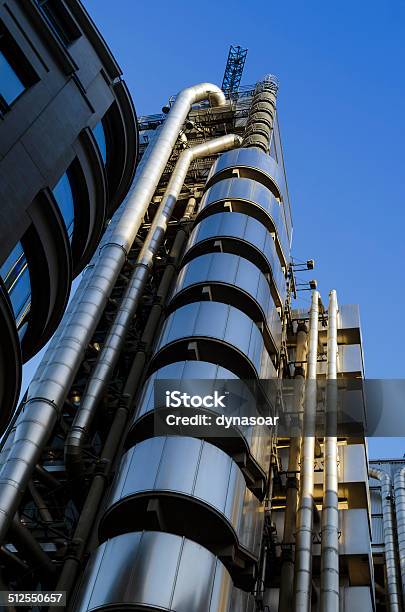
column 341, row 110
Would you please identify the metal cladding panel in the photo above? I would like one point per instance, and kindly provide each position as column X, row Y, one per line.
column 252, row 158
column 258, row 444
column 157, row 571
column 352, row 466
column 241, row 227
column 229, row 269
column 222, row 323
column 244, row 287
column 242, row 602
column 377, row 529
column 353, row 457
column 355, row 534
column 376, row 503
column 350, row 360
column 349, row 316
column 356, row 598
column 252, row 198
column 193, row 469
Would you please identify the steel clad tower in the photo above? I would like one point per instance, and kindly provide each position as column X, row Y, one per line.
column 194, row 281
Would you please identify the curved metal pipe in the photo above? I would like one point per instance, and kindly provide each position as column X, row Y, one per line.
column 330, row 508
column 303, row 537
column 389, row 538
column 399, row 491
column 108, row 357
column 41, row 410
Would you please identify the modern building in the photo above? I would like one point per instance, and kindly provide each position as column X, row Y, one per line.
column 194, row 288
column 387, row 496
column 68, row 152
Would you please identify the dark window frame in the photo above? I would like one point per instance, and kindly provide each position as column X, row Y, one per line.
column 60, row 21
column 18, row 62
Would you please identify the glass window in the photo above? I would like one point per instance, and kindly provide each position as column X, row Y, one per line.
column 15, row 275
column 60, row 20
column 10, row 85
column 64, row 198
column 16, row 73
column 99, row 135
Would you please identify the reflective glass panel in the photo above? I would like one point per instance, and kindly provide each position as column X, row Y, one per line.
column 10, row 85
column 99, row 135
column 64, row 198
column 15, row 275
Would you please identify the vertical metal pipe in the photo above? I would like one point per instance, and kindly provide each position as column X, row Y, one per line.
column 389, row 539
column 111, row 350
column 330, row 509
column 41, row 410
column 190, row 208
column 303, row 539
column 399, row 489
column 290, row 516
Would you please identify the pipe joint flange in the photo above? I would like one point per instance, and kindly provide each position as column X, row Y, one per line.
column 116, row 244
column 32, row 400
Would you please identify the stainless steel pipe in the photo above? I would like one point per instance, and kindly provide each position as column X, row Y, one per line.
column 330, row 508
column 110, row 352
column 292, row 485
column 399, row 491
column 44, row 402
column 303, row 538
column 389, row 539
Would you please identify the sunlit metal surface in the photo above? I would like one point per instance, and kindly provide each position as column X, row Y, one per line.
column 196, row 324
column 239, row 234
column 195, row 483
column 349, row 360
column 250, row 197
column 213, row 275
column 251, row 437
column 253, row 163
column 154, row 571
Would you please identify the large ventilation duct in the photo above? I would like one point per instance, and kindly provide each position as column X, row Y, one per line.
column 303, row 538
column 113, row 344
column 389, row 539
column 330, row 508
column 42, row 407
column 261, row 114
column 399, row 488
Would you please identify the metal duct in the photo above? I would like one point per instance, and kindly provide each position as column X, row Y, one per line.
column 110, row 353
column 303, row 538
column 389, row 538
column 330, row 510
column 399, row 490
column 39, row 416
column 261, row 114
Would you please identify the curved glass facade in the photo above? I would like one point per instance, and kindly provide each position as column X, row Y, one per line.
column 64, row 197
column 99, row 135
column 16, row 277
